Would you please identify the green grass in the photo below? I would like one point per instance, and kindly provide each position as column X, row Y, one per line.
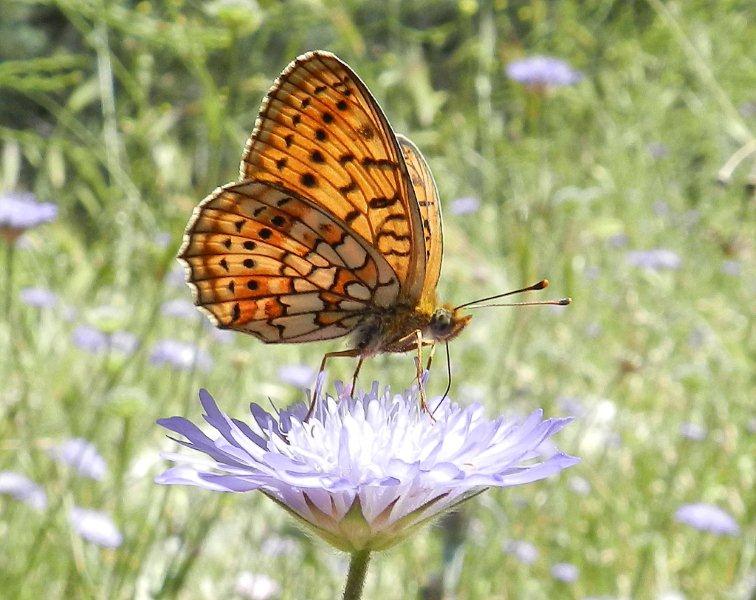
column 127, row 116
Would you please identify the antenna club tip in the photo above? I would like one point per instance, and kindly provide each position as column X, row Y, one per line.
column 565, row 301
column 543, row 284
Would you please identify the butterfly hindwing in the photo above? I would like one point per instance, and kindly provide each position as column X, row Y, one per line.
column 264, row 260
column 426, row 194
column 321, row 134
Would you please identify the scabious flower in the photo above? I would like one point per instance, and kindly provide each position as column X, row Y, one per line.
column 82, row 456
column 658, row 259
column 23, row 489
column 256, row 586
column 364, row 473
column 90, row 339
column 300, row 376
column 707, row 517
column 524, row 551
column 181, row 308
column 464, row 206
column 20, row 211
column 692, row 431
column 543, row 71
column 38, row 297
column 95, row 341
column 179, row 355
column 95, row 526
column 566, row 572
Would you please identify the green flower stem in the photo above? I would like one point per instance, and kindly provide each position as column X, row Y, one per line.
column 358, row 565
column 9, row 255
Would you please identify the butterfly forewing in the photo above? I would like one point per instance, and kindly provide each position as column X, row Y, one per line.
column 426, row 194
column 321, row 134
column 264, row 260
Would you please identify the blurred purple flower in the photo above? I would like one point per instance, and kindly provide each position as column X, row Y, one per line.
column 300, row 376
column 363, row 473
column 543, row 71
column 180, row 355
column 618, row 240
column 524, row 551
column 124, row 342
column 654, row 260
column 657, row 150
column 95, row 341
column 181, row 308
column 579, row 485
column 90, row 339
column 692, row 431
column 38, row 297
column 256, row 586
column 732, row 267
column 20, row 211
column 95, row 526
column 464, row 206
column 162, row 239
column 566, row 572
column 82, row 456
column 176, row 276
column 707, row 517
column 23, row 489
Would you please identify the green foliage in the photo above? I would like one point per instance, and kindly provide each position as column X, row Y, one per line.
column 127, row 114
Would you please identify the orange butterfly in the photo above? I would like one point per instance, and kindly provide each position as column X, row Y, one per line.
column 333, row 229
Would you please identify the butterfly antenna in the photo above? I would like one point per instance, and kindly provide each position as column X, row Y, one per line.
column 544, row 283
column 448, row 380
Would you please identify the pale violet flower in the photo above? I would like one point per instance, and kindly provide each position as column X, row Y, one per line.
column 82, row 456
column 363, row 473
column 23, row 489
column 566, row 572
column 658, row 259
column 579, row 485
column 95, row 527
column 256, row 586
column 464, row 206
column 707, row 517
column 692, row 431
column 300, row 376
column 96, row 341
column 543, row 71
column 180, row 308
column 524, row 551
column 732, row 267
column 180, row 355
column 20, row 211
column 38, row 297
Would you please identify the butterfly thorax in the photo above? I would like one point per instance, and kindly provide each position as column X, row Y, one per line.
column 396, row 329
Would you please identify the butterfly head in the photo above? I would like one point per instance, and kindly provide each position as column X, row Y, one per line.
column 446, row 323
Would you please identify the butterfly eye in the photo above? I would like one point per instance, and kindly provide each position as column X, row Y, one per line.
column 440, row 322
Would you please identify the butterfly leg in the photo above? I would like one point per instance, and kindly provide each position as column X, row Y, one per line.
column 419, row 366
column 354, row 377
column 326, row 356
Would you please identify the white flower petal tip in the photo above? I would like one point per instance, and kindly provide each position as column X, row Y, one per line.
column 364, row 472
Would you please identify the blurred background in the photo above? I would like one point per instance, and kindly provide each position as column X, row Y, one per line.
column 623, row 174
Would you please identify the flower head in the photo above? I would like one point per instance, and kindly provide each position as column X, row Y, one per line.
column 524, row 551
column 23, row 489
column 654, row 260
column 300, row 376
column 543, row 71
column 181, row 308
column 566, row 572
column 20, row 211
column 95, row 526
column 38, row 297
column 95, row 341
column 707, row 517
column 180, row 355
column 364, row 472
column 82, row 456
column 465, row 206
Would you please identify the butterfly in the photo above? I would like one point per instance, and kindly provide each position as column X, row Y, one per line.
column 333, row 229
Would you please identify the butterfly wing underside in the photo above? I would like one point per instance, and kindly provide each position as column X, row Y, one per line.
column 321, row 134
column 263, row 260
column 426, row 194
